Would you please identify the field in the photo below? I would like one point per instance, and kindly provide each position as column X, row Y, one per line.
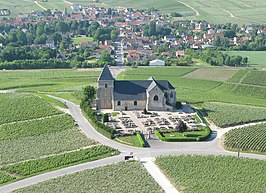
column 224, row 115
column 123, row 177
column 255, row 58
column 35, row 130
column 198, row 90
column 82, row 39
column 31, row 167
column 215, row 74
column 201, row 174
column 251, row 139
column 47, row 80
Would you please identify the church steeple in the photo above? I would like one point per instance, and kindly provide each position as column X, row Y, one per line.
column 106, row 74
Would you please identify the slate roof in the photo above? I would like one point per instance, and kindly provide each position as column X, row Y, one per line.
column 106, row 74
column 136, row 89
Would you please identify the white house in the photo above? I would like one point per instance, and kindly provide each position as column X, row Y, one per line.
column 157, row 63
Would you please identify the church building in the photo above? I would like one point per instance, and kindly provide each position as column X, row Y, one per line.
column 123, row 95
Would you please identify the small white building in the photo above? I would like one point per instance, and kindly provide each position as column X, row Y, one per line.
column 157, row 62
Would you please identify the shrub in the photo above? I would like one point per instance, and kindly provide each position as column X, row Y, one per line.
column 141, row 141
column 105, row 118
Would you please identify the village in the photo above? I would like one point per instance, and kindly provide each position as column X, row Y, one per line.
column 143, row 37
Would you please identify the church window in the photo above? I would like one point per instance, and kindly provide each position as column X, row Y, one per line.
column 118, row 103
column 155, row 98
column 105, row 85
column 166, row 95
column 172, row 94
column 135, row 103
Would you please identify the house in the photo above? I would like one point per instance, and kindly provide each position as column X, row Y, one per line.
column 157, row 62
column 180, row 53
column 151, row 94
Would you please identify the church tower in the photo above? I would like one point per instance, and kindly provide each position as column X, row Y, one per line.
column 105, row 89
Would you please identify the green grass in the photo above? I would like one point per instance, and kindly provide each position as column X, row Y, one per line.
column 255, row 58
column 82, row 39
column 215, row 74
column 70, row 96
column 200, row 135
column 251, row 139
column 52, row 101
column 225, row 115
column 16, row 7
column 28, row 168
column 130, row 140
column 122, row 177
column 201, row 174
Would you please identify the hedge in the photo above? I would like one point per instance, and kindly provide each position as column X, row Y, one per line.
column 92, row 117
column 179, row 139
column 141, row 141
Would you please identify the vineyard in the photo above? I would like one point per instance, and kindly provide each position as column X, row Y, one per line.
column 123, row 177
column 255, row 78
column 201, row 174
column 24, row 169
column 35, row 130
column 19, row 107
column 47, row 80
column 5, row 177
column 252, row 138
column 225, row 115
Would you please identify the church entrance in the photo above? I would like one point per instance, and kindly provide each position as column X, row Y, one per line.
column 126, row 108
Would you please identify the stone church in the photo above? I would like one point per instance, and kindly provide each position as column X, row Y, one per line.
column 123, row 95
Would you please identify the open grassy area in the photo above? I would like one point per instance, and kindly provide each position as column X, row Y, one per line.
column 251, row 139
column 255, row 58
column 123, row 177
column 130, row 140
column 201, row 174
column 225, row 115
column 212, row 73
column 82, row 39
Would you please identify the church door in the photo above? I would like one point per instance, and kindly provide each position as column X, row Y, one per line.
column 125, row 108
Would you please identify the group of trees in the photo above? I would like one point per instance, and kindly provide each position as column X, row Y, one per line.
column 217, row 58
column 153, row 30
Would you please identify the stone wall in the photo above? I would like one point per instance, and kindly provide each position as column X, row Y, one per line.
column 129, row 105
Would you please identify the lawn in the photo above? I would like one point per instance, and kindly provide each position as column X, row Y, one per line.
column 224, row 115
column 250, row 139
column 255, row 58
column 122, row 177
column 82, row 39
column 130, row 140
column 201, row 174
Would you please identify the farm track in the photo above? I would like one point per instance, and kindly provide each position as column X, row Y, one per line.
column 36, row 2
column 233, row 16
column 197, row 13
column 35, row 119
column 157, row 148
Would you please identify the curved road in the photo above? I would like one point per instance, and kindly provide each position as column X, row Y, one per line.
column 157, row 148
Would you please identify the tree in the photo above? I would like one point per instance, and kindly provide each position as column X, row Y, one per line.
column 105, row 118
column 245, row 61
column 89, row 93
column 114, row 35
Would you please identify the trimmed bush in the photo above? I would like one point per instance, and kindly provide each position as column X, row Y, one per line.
column 140, row 138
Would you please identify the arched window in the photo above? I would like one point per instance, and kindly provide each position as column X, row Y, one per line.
column 135, row 103
column 155, row 98
column 172, row 94
column 118, row 103
column 105, row 85
column 166, row 95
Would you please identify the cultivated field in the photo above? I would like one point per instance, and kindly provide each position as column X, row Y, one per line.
column 201, row 174
column 123, row 177
column 224, row 115
column 215, row 74
column 47, row 80
column 35, row 130
column 252, row 139
column 255, row 58
column 198, row 90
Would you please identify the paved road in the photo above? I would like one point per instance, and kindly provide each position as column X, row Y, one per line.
column 157, row 148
